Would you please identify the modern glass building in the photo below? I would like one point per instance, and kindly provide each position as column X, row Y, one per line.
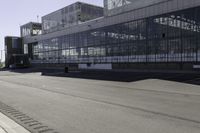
column 131, row 34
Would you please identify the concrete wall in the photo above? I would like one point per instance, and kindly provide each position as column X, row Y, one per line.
column 96, row 66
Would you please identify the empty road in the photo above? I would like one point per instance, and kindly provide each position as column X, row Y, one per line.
column 72, row 105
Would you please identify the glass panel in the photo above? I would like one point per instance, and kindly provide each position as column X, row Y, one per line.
column 173, row 37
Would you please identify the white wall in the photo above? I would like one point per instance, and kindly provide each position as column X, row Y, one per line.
column 96, row 66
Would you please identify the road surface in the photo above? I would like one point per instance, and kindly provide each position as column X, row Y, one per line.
column 72, row 105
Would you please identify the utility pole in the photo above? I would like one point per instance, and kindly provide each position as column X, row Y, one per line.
column 1, row 60
column 38, row 18
column 1, row 55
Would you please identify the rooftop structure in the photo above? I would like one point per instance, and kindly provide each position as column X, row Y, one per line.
column 70, row 15
column 31, row 29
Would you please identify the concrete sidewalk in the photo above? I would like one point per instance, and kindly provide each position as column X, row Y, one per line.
column 9, row 126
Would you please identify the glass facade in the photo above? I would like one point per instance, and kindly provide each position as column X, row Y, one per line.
column 114, row 7
column 111, row 4
column 173, row 37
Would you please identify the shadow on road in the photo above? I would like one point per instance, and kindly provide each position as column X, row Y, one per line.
column 191, row 78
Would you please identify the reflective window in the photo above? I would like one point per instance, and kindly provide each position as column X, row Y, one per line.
column 173, row 37
column 111, row 4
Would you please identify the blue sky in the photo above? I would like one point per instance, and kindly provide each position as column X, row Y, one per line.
column 14, row 13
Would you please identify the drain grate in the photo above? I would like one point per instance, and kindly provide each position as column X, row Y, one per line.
column 27, row 122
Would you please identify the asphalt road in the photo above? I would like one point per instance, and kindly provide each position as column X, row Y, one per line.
column 71, row 105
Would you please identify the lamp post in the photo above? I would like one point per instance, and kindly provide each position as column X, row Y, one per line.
column 1, row 56
column 1, row 60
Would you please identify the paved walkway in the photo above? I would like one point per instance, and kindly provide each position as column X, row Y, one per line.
column 9, row 126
